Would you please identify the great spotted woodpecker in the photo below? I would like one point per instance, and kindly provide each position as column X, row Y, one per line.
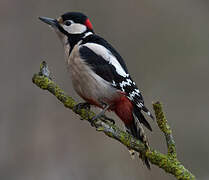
column 99, row 74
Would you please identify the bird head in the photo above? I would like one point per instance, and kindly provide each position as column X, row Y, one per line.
column 70, row 23
column 70, row 27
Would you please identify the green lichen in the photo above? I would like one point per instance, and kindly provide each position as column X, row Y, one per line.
column 170, row 165
column 168, row 162
column 165, row 128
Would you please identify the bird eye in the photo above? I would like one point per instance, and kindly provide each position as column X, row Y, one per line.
column 68, row 23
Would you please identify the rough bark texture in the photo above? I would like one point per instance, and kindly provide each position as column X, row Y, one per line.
column 168, row 162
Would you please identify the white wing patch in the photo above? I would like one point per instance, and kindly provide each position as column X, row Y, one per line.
column 134, row 93
column 125, row 83
column 108, row 56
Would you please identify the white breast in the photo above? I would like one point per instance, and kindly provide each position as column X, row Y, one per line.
column 88, row 84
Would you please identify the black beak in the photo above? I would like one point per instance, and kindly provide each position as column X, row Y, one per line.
column 50, row 21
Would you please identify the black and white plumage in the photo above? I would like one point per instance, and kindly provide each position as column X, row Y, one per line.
column 108, row 64
column 98, row 72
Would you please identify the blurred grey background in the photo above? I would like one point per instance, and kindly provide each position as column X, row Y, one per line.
column 165, row 44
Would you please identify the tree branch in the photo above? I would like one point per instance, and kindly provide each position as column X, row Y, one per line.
column 168, row 162
column 165, row 128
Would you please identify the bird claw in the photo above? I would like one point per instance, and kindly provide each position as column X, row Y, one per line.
column 94, row 119
column 80, row 106
column 108, row 119
column 103, row 117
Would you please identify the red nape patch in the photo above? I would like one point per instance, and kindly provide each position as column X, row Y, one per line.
column 88, row 24
column 124, row 108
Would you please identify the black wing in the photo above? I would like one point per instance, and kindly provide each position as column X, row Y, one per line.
column 99, row 60
column 100, row 66
column 99, row 40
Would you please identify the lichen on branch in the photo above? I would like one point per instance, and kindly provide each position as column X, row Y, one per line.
column 167, row 162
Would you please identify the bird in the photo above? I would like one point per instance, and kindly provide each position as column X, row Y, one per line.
column 99, row 74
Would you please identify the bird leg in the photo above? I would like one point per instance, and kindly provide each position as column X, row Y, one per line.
column 99, row 115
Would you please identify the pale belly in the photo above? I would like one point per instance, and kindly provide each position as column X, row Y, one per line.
column 88, row 84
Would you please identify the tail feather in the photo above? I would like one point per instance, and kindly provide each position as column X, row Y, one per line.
column 136, row 129
column 147, row 111
column 130, row 113
column 142, row 119
column 139, row 131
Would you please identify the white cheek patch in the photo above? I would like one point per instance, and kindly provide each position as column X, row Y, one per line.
column 75, row 28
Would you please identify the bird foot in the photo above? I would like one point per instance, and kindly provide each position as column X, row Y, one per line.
column 103, row 117
column 101, row 114
column 83, row 105
column 80, row 106
column 93, row 120
column 108, row 119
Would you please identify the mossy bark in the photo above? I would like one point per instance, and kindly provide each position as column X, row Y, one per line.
column 167, row 162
